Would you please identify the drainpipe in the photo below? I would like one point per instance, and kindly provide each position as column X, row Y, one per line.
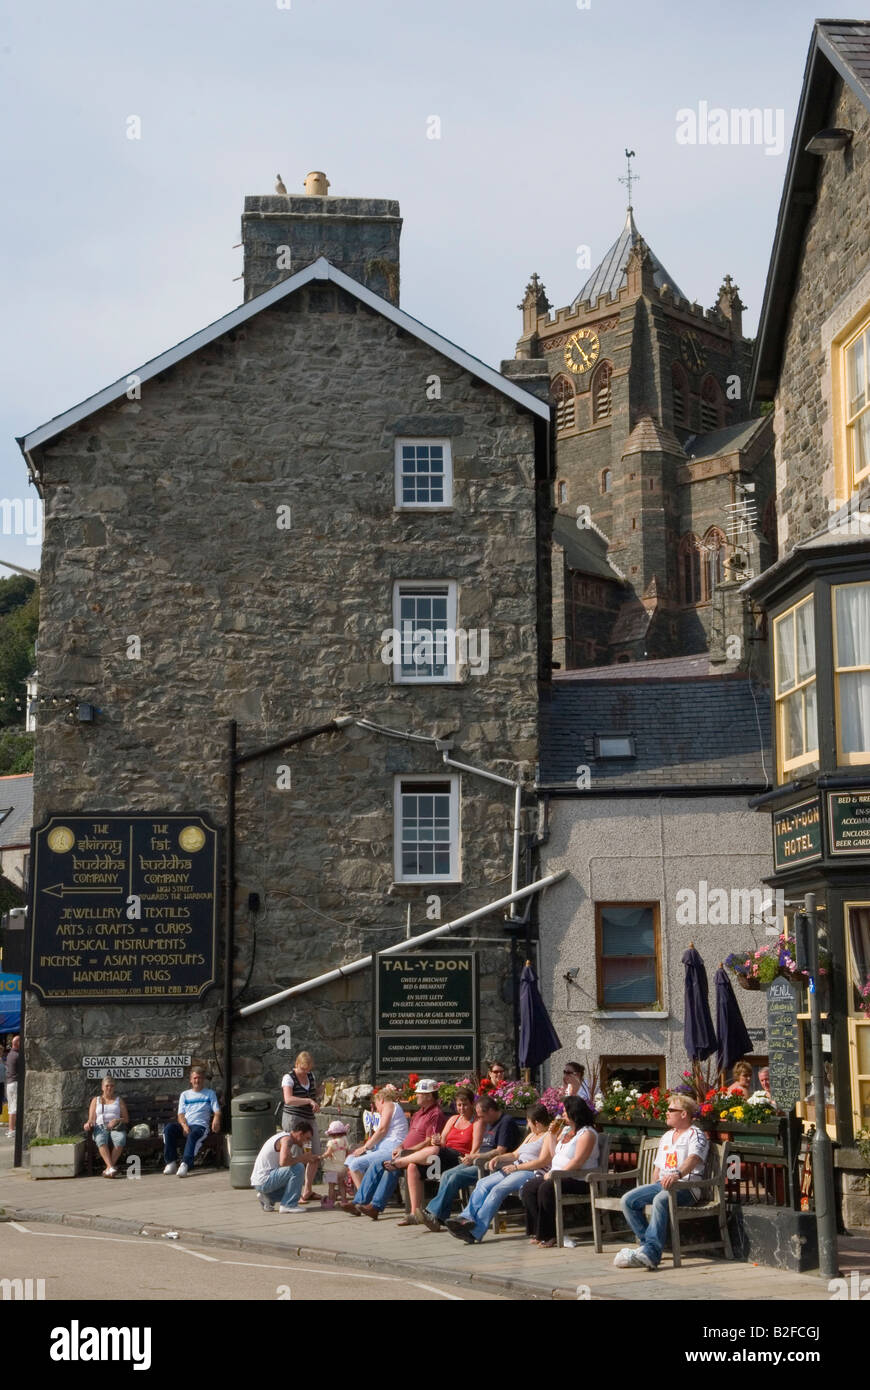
column 356, row 965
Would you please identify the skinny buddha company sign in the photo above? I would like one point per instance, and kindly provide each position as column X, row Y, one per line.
column 123, row 908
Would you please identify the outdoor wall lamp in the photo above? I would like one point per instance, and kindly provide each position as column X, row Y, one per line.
column 827, row 141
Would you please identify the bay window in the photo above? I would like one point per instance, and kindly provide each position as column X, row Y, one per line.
column 852, row 671
column 795, row 688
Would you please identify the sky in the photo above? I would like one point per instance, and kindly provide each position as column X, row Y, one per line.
column 116, row 248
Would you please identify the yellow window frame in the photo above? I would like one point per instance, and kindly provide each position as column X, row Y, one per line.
column 863, row 755
column 810, row 755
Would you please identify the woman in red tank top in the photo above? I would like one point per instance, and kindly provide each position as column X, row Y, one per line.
column 460, row 1136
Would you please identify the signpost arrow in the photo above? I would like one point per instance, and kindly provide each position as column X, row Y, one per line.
column 59, row 890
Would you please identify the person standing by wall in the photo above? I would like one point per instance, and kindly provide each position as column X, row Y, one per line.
column 12, row 1082
column 301, row 1102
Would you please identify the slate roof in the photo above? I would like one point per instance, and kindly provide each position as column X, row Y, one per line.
column 585, row 548
column 664, row 668
column 609, row 275
column 648, row 436
column 730, row 440
column 16, row 809
column 839, row 48
column 688, row 733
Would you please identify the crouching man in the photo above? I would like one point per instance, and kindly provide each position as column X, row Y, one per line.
column 279, row 1170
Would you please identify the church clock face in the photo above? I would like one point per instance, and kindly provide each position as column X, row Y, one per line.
column 581, row 350
column 692, row 352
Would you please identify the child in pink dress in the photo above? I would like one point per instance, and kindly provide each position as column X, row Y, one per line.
column 334, row 1155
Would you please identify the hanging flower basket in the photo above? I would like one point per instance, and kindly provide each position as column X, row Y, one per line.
column 758, row 969
column 748, row 982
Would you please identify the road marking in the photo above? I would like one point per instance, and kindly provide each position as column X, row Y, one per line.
column 197, row 1255
column 337, row 1272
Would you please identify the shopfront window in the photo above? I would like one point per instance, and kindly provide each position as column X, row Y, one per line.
column 795, row 685
column 852, row 668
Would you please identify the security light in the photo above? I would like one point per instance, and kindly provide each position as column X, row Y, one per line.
column 827, row 141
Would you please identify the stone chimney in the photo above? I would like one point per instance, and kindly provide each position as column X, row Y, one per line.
column 282, row 233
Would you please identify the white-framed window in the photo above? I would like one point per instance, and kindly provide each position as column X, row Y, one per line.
column 426, row 819
column 424, row 618
column 424, row 473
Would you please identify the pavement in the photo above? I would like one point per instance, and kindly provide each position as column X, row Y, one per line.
column 204, row 1209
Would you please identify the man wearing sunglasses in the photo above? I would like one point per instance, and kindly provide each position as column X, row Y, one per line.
column 681, row 1156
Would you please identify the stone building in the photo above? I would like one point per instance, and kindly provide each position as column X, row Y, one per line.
column 260, row 508
column 813, row 350
column 656, row 451
column 653, row 830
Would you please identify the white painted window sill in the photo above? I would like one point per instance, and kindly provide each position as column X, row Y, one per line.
column 631, row 1013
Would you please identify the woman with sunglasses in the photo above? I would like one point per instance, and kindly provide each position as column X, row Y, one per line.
column 573, row 1083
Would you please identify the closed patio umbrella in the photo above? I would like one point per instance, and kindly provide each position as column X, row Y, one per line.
column 538, row 1037
column 733, row 1040
column 699, row 1035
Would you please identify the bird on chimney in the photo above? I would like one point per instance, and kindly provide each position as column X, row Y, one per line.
column 279, row 186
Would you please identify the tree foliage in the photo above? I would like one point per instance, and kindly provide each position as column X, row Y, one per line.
column 19, row 621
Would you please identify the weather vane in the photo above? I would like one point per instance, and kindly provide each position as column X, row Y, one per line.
column 629, row 177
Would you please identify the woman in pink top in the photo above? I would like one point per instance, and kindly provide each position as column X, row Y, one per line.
column 459, row 1137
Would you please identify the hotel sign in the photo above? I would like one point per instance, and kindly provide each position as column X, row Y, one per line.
column 123, row 907
column 849, row 822
column 425, row 1013
column 797, row 834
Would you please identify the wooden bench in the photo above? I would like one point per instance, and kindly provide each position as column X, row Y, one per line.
column 712, row 1183
column 156, row 1112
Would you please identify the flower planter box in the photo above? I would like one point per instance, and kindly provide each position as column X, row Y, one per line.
column 770, row 1137
column 57, row 1160
column 633, row 1130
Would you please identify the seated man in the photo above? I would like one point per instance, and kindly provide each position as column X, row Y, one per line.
column 681, row 1156
column 280, row 1167
column 380, row 1179
column 501, row 1135
column 196, row 1108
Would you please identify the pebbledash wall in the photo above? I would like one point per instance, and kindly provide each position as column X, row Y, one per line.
column 646, row 851
column 160, row 522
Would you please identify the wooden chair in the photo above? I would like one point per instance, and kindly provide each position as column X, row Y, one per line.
column 712, row 1184
column 579, row 1199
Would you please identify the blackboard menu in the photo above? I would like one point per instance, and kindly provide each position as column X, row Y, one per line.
column 782, row 1043
column 425, row 1013
column 123, row 908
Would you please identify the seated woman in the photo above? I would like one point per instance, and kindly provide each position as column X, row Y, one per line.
column 108, row 1118
column 507, row 1174
column 391, row 1130
column 575, row 1148
column 741, row 1080
column 459, row 1137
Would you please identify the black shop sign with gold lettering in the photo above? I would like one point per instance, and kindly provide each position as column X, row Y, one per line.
column 797, row 834
column 425, row 1013
column 123, row 907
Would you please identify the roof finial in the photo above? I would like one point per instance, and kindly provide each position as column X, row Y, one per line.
column 629, row 177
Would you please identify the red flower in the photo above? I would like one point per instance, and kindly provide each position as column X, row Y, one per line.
column 413, row 1078
column 706, row 1109
column 655, row 1093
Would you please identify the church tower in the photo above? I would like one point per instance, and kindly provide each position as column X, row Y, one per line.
column 663, row 485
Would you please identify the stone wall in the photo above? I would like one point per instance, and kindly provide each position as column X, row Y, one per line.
column 161, row 524
column 835, row 259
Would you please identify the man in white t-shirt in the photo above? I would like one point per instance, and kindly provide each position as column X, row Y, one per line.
column 681, row 1156
column 279, row 1170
